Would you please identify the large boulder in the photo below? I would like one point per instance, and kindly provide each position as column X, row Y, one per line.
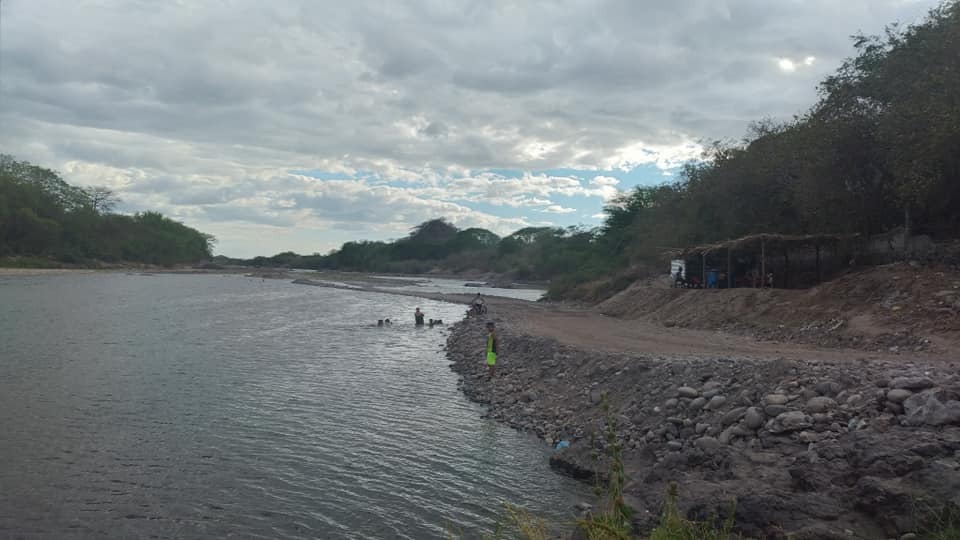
column 927, row 408
column 912, row 383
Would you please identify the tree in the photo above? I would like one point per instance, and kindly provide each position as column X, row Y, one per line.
column 41, row 214
column 434, row 231
column 102, row 199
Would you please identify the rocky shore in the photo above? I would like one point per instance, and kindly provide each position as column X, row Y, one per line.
column 807, row 448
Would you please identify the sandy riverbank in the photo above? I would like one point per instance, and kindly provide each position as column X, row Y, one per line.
column 817, row 443
column 41, row 271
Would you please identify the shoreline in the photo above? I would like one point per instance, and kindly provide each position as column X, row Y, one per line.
column 817, row 443
column 814, row 447
column 279, row 273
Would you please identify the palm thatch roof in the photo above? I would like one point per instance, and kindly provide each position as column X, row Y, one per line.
column 772, row 242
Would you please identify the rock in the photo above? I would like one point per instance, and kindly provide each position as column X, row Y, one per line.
column 926, row 408
column 825, row 388
column 733, row 416
column 912, row 383
column 712, row 385
column 708, row 444
column 753, row 418
column 908, row 536
column 774, row 410
column 726, row 435
column 527, row 397
column 854, row 400
column 675, row 445
column 882, row 423
column 671, row 403
column 790, row 421
column 776, row 399
column 898, row 395
column 687, row 392
column 821, row 404
column 882, row 383
column 894, row 408
column 583, row 507
column 715, row 403
column 596, row 395
column 820, row 418
column 697, row 404
column 702, row 428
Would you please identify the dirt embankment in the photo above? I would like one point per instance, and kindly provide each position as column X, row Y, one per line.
column 816, row 444
column 898, row 307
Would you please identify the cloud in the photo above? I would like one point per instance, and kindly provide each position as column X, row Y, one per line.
column 200, row 109
column 605, row 187
column 557, row 209
column 788, row 65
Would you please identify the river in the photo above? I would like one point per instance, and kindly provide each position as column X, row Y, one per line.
column 196, row 406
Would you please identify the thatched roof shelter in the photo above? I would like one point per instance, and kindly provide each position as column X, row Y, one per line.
column 756, row 242
column 763, row 244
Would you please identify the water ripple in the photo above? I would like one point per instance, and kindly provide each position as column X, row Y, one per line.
column 208, row 406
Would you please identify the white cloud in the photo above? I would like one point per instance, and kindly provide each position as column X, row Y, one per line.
column 423, row 97
column 604, row 181
column 663, row 157
column 557, row 209
column 786, row 65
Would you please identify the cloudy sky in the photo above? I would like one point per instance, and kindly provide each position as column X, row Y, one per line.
column 300, row 124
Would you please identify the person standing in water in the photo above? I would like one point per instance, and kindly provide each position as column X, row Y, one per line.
column 492, row 348
column 418, row 317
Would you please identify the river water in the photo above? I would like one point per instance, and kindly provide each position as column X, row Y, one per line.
column 197, row 406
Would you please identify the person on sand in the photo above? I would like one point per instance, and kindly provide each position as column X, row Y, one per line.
column 418, row 317
column 492, row 347
column 478, row 304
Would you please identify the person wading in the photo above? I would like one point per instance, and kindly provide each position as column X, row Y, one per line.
column 492, row 347
column 418, row 317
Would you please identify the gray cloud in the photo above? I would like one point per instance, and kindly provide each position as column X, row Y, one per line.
column 201, row 107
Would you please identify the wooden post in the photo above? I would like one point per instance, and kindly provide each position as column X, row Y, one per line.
column 703, row 270
column 729, row 268
column 763, row 261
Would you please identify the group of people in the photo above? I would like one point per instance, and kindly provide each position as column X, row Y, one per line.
column 418, row 319
column 492, row 347
column 754, row 279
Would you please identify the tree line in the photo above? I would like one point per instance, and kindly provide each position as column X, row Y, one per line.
column 530, row 254
column 879, row 150
column 46, row 221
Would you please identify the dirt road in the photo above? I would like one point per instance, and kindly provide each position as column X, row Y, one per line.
column 585, row 328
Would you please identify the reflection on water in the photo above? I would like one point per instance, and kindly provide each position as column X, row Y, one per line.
column 198, row 406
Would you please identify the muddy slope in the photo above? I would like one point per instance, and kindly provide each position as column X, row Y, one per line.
column 899, row 306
